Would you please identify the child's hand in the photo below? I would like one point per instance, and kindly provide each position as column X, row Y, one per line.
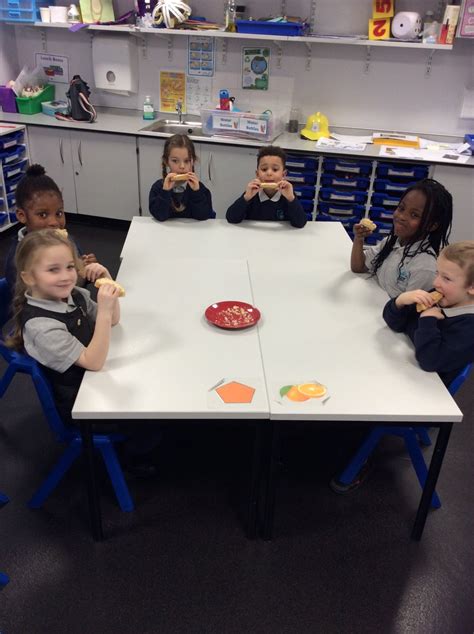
column 89, row 258
column 414, row 297
column 252, row 189
column 432, row 312
column 361, row 231
column 168, row 182
column 107, row 298
column 94, row 271
column 286, row 189
column 193, row 181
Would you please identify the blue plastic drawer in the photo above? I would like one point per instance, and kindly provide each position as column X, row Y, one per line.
column 304, row 178
column 341, row 210
column 353, row 181
column 13, row 217
column 350, row 167
column 12, row 183
column 346, row 221
column 11, row 198
column 380, row 213
column 301, row 163
column 11, row 155
column 328, row 193
column 385, row 200
column 9, row 171
column 304, row 191
column 307, row 205
column 394, row 187
column 373, row 238
column 10, row 140
column 384, row 228
column 402, row 170
column 3, row 217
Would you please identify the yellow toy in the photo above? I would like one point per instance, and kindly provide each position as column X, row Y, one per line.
column 379, row 29
column 317, row 126
column 383, row 8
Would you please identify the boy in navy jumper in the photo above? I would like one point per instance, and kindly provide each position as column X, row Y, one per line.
column 275, row 202
column 443, row 334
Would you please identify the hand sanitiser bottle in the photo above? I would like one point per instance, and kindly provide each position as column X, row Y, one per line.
column 148, row 109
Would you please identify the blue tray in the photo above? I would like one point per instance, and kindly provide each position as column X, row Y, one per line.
column 263, row 27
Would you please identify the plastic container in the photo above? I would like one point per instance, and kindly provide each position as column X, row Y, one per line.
column 246, row 125
column 32, row 105
column 301, row 162
column 350, row 181
column 16, row 169
column 402, row 170
column 148, row 109
column 304, row 191
column 350, row 167
column 394, row 187
column 346, row 221
column 263, row 27
column 11, row 155
column 12, row 183
column 380, row 213
column 303, row 178
column 333, row 209
column 3, row 215
column 386, row 200
column 336, row 195
column 19, row 10
column 7, row 100
column 10, row 140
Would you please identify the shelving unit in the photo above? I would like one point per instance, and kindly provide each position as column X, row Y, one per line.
column 14, row 158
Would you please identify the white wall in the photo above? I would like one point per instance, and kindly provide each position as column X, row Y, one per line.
column 396, row 93
column 8, row 57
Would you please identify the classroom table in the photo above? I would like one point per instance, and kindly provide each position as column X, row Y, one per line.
column 319, row 322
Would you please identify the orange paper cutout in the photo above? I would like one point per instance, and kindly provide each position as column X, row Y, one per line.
column 235, row 392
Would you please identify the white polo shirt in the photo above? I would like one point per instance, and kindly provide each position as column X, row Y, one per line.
column 417, row 271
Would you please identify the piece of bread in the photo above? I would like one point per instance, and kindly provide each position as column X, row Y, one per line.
column 62, row 232
column 368, row 224
column 106, row 280
column 269, row 185
column 436, row 298
column 180, row 177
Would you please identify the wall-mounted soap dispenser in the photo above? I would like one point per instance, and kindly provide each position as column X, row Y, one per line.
column 115, row 63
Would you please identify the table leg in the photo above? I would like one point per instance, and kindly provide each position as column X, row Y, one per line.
column 431, row 480
column 95, row 516
column 253, row 507
column 270, row 479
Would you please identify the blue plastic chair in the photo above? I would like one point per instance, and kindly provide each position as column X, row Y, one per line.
column 4, row 579
column 411, row 436
column 70, row 436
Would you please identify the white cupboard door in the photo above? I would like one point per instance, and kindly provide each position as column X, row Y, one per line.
column 225, row 170
column 106, row 174
column 149, row 167
column 51, row 148
column 460, row 182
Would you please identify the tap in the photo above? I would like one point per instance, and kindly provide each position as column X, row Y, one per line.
column 179, row 110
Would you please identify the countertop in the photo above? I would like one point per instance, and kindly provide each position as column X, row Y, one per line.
column 130, row 122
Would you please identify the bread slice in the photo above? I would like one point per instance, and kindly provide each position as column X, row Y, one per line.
column 106, row 280
column 180, row 178
column 368, row 224
column 62, row 232
column 436, row 298
column 269, row 185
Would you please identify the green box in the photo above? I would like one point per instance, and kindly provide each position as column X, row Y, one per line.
column 32, row 105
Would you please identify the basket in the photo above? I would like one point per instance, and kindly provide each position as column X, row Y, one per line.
column 32, row 105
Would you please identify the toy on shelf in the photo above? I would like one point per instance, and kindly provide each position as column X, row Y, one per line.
column 407, row 25
column 379, row 23
column 171, row 13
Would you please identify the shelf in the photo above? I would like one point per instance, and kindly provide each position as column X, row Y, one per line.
column 307, row 39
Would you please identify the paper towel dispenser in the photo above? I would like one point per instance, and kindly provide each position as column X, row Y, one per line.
column 115, row 64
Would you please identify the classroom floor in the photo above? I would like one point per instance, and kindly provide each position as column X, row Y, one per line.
column 181, row 563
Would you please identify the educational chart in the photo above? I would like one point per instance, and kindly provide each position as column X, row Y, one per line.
column 56, row 67
column 172, row 90
column 255, row 68
column 198, row 94
column 201, row 56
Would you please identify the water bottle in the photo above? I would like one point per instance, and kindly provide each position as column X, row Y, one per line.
column 230, row 16
column 430, row 29
column 148, row 109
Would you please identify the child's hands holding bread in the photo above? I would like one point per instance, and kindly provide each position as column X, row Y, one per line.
column 425, row 302
column 364, row 228
column 252, row 188
column 286, row 189
column 94, row 271
column 193, row 181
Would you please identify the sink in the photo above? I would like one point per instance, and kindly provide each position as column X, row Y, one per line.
column 174, row 127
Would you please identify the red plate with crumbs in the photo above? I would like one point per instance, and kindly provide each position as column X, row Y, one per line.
column 232, row 315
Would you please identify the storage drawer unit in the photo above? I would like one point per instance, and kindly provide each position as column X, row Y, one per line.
column 302, row 172
column 13, row 162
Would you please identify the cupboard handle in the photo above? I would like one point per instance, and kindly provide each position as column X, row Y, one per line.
column 79, row 152
column 61, row 151
column 209, row 166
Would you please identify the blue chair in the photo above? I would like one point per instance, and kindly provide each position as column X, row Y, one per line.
column 70, row 436
column 3, row 577
column 212, row 215
column 411, row 436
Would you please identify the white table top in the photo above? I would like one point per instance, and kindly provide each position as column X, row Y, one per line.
column 149, row 238
column 319, row 322
column 164, row 356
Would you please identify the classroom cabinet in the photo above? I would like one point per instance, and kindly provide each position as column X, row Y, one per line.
column 460, row 182
column 98, row 172
column 225, row 170
column 150, row 151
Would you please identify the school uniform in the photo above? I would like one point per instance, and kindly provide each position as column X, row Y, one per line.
column 180, row 202
column 10, row 265
column 417, row 271
column 262, row 207
column 441, row 345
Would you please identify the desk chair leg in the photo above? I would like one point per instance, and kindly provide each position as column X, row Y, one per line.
column 435, row 467
column 271, row 478
column 423, row 436
column 92, row 487
column 253, row 508
column 411, row 443
column 116, row 477
column 55, row 475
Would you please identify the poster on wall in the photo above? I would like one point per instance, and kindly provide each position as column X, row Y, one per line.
column 466, row 19
column 172, row 90
column 198, row 94
column 255, row 68
column 56, row 67
column 201, row 56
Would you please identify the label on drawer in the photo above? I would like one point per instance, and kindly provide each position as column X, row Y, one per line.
column 221, row 122
column 346, row 168
column 7, row 144
column 396, row 188
column 341, row 197
column 13, row 172
column 296, row 179
column 399, row 173
column 255, row 126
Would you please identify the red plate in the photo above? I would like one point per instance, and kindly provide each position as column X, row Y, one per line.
column 232, row 315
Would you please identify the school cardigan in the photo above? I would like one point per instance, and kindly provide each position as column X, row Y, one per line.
column 197, row 204
column 261, row 207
